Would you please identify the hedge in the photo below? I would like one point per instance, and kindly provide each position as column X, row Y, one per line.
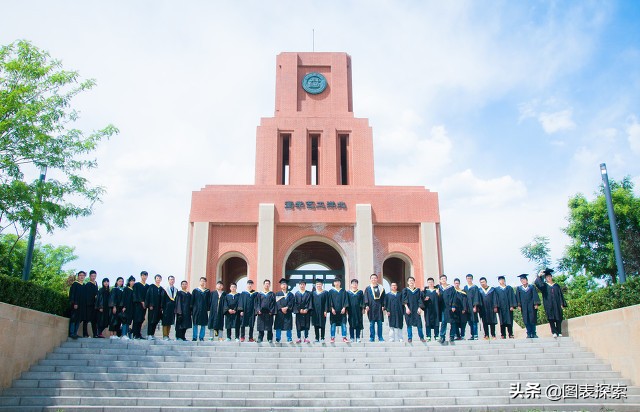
column 29, row 295
column 600, row 300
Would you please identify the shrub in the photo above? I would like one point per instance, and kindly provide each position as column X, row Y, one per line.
column 29, row 295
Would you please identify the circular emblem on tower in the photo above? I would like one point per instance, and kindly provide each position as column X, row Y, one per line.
column 314, row 83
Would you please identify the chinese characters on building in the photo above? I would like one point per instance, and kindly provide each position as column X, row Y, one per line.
column 311, row 205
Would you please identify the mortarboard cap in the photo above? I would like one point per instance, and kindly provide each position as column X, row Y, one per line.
column 548, row 272
column 523, row 276
column 500, row 277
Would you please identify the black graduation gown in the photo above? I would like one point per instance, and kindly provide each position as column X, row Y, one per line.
column 489, row 303
column 393, row 305
column 375, row 303
column 473, row 300
column 102, row 302
column 413, row 299
column 460, row 302
column 232, row 301
column 431, row 307
column 139, row 296
column 115, row 301
column 77, row 297
column 448, row 300
column 200, row 306
column 506, row 300
column 320, row 302
column 249, row 308
column 216, row 314
column 303, row 301
column 154, row 300
column 284, row 321
column 337, row 301
column 169, row 306
column 266, row 305
column 126, row 303
column 356, row 305
column 552, row 298
column 90, row 296
column 183, row 310
column 526, row 299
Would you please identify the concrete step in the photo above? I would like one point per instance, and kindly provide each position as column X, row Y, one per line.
column 96, row 374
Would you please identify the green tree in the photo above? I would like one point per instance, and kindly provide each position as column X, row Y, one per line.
column 36, row 131
column 48, row 262
column 538, row 251
column 591, row 249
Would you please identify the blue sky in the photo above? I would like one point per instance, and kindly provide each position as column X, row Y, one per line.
column 505, row 108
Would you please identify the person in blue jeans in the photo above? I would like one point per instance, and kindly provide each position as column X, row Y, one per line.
column 338, row 304
column 448, row 309
column 285, row 301
column 200, row 306
column 413, row 307
column 374, row 307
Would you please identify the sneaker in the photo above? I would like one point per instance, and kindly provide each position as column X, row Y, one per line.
column 99, row 337
column 400, row 340
column 124, row 338
column 259, row 340
column 220, row 339
column 459, row 337
column 423, row 340
column 409, row 340
column 270, row 341
column 298, row 340
column 194, row 339
column 150, row 338
column 113, row 337
column 165, row 338
column 372, row 340
column 493, row 338
column 555, row 336
column 289, row 340
column 307, row 341
column 381, row 340
column 228, row 340
column 237, row 340
column 201, row 339
column 534, row 336
column 559, row 335
column 345, row 340
column 428, row 339
column 211, row 339
column 358, row 340
column 511, row 337
column 486, row 338
column 317, row 341
column 277, row 340
column 441, row 340
column 241, row 339
column 322, row 340
column 333, row 340
column 251, row 340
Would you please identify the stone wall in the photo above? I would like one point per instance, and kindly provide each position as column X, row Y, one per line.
column 613, row 335
column 27, row 336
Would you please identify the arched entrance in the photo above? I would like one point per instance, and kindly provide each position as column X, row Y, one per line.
column 396, row 268
column 313, row 259
column 232, row 268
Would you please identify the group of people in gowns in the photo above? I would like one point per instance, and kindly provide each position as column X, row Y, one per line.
column 441, row 307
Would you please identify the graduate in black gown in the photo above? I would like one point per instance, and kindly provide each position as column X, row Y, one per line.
column 77, row 304
column 506, row 306
column 102, row 307
column 284, row 311
column 462, row 313
column 449, row 309
column 413, row 307
column 91, row 313
column 153, row 302
column 265, row 311
column 430, row 299
column 302, row 308
column 553, row 300
column 374, row 307
column 139, row 308
column 474, row 305
column 489, row 311
column 183, row 311
column 115, row 308
column 169, row 307
column 528, row 301
column 200, row 302
column 232, row 307
column 216, row 315
column 127, row 308
column 355, row 311
column 249, row 298
column 320, row 302
column 395, row 312
column 338, row 304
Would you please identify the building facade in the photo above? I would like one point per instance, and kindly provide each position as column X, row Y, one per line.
column 314, row 199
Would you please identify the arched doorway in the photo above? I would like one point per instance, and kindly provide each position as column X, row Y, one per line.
column 396, row 268
column 313, row 259
column 232, row 269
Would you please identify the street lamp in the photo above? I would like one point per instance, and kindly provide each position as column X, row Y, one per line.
column 612, row 223
column 28, row 260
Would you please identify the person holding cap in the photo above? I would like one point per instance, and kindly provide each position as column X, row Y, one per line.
column 552, row 299
column 528, row 301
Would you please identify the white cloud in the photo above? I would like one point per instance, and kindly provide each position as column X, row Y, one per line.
column 633, row 134
column 557, row 121
column 466, row 188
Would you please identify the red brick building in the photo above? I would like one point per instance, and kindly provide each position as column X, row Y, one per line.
column 314, row 198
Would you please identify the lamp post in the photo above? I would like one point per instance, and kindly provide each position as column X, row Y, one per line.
column 612, row 223
column 28, row 260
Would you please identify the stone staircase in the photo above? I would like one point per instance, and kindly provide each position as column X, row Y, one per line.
column 106, row 375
